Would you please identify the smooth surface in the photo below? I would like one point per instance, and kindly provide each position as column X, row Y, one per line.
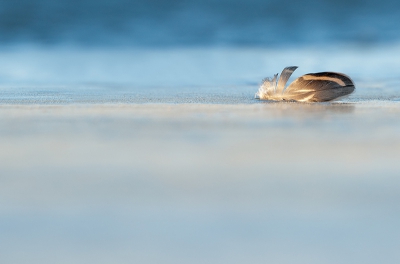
column 164, row 156
column 179, row 183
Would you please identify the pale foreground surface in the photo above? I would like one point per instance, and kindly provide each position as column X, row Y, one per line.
column 163, row 156
column 260, row 182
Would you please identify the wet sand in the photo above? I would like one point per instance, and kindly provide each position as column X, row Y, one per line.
column 182, row 178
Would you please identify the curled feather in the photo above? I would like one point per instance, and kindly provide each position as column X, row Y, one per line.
column 312, row 87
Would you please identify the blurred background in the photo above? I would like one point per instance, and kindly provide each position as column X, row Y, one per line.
column 178, row 23
column 240, row 42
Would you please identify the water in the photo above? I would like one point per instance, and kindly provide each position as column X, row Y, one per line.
column 194, row 43
column 183, row 67
column 129, row 133
column 196, row 23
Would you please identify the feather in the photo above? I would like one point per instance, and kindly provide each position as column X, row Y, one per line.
column 285, row 75
column 312, row 87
